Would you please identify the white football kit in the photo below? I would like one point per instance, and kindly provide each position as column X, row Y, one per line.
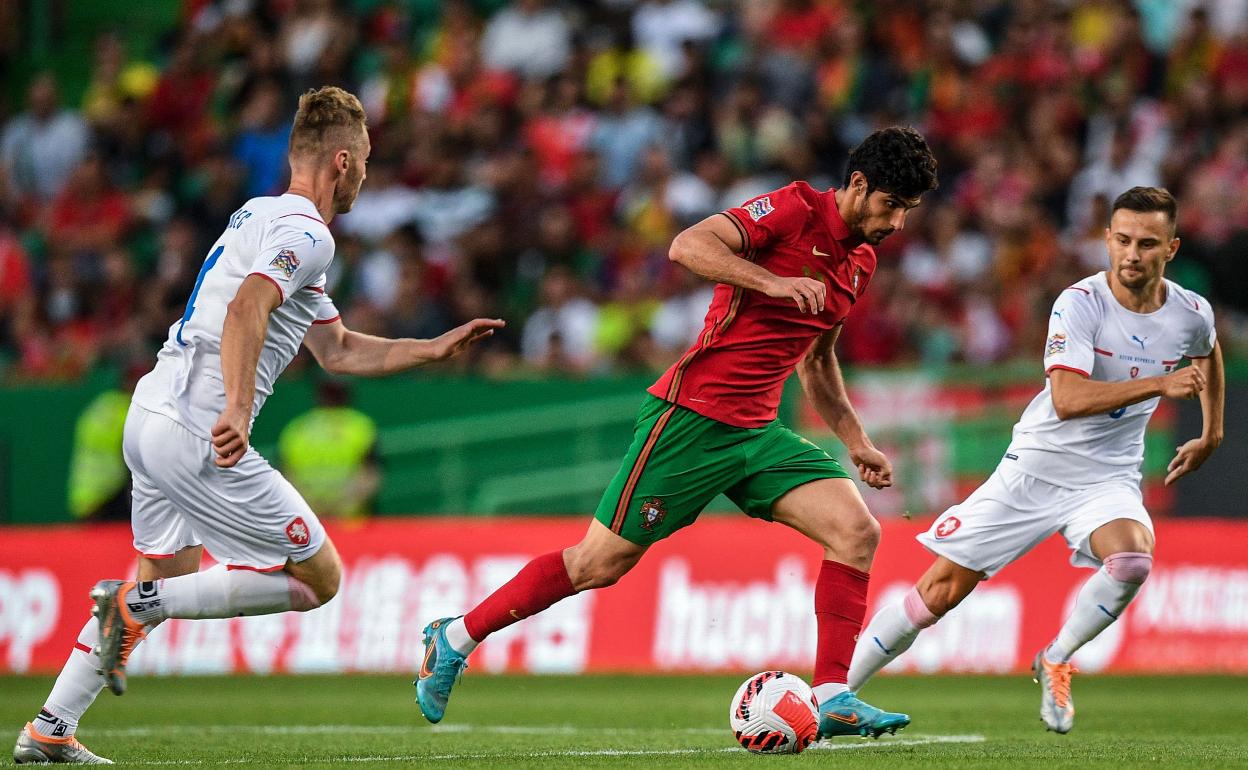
column 1073, row 476
column 247, row 516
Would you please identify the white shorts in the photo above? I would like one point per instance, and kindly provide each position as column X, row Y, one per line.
column 1012, row 512
column 247, row 516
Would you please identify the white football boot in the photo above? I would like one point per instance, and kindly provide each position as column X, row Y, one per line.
column 1057, row 707
column 33, row 748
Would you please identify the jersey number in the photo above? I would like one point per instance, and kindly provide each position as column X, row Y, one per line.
column 199, row 281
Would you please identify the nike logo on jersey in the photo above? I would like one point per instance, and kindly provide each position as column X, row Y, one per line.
column 314, row 240
column 815, row 250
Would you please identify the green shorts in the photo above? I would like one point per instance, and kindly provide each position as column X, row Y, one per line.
column 680, row 461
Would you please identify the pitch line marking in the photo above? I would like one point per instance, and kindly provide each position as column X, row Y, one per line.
column 917, row 740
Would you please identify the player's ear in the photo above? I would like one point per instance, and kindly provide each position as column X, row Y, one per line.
column 1174, row 249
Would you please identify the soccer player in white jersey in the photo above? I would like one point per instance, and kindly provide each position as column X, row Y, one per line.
column 1073, row 466
column 197, row 483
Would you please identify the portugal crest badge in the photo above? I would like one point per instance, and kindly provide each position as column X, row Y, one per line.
column 652, row 513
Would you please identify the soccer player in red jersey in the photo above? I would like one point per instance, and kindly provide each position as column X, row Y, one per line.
column 789, row 266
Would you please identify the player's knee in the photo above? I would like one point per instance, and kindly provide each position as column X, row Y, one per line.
column 1129, row 567
column 589, row 570
column 318, row 589
column 597, row 574
column 857, row 531
column 867, row 531
column 939, row 596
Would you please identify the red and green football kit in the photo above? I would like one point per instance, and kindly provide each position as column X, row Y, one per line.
column 709, row 424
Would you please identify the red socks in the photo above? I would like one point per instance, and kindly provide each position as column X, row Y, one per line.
column 840, row 606
column 540, row 584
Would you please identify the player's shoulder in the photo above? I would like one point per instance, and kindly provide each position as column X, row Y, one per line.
column 801, row 193
column 294, row 215
column 1189, row 302
column 790, row 204
column 1085, row 295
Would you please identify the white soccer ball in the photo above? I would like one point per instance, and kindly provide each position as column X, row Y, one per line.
column 774, row 713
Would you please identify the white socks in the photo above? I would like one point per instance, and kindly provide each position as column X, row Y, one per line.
column 889, row 634
column 828, row 690
column 75, row 688
column 1099, row 603
column 457, row 635
column 219, row 593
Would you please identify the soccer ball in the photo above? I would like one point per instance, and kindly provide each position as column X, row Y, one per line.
column 774, row 713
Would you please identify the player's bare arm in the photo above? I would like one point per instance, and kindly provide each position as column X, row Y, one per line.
column 1192, row 454
column 341, row 351
column 711, row 249
column 820, row 374
column 1075, row 395
column 242, row 337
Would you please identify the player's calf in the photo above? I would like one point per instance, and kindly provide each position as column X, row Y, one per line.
column 895, row 627
column 890, row 633
column 1100, row 602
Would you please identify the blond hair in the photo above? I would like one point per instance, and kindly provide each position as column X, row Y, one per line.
column 327, row 115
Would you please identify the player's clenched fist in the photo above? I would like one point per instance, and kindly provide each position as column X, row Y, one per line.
column 809, row 294
column 229, row 437
column 873, row 466
column 1185, row 383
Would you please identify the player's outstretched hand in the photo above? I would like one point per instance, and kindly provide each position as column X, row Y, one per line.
column 873, row 467
column 1187, row 458
column 809, row 294
column 460, row 338
column 229, row 437
column 1187, row 382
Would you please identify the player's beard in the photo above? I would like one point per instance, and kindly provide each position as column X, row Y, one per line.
column 1139, row 280
column 345, row 192
column 873, row 237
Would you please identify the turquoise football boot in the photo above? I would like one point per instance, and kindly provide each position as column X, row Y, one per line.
column 846, row 715
column 438, row 672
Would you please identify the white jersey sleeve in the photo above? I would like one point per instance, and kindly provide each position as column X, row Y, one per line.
column 294, row 252
column 326, row 311
column 1071, row 344
column 1205, row 334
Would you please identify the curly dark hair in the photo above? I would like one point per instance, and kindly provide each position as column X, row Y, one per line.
column 896, row 160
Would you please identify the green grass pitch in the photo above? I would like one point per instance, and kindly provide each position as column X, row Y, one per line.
column 638, row 722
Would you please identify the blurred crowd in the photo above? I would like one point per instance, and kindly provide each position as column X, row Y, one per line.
column 533, row 159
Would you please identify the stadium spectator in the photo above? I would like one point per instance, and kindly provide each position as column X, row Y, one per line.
column 41, row 147
column 530, row 38
column 559, row 336
column 261, row 144
column 89, row 215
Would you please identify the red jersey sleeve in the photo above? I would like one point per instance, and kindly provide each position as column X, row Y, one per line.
column 768, row 218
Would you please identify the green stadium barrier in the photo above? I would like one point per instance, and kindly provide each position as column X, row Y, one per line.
column 471, row 445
